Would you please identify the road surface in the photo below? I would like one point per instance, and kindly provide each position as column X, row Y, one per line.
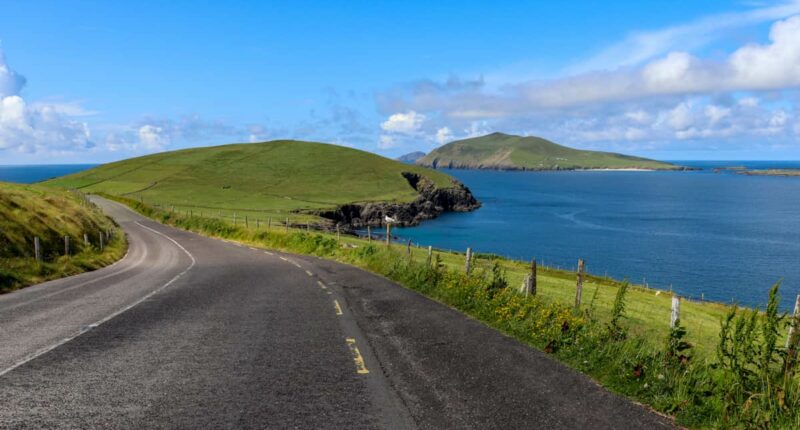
column 192, row 332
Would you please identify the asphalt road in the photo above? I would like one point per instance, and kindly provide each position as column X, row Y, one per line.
column 192, row 332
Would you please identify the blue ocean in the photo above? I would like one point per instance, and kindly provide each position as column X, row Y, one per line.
column 705, row 234
column 37, row 173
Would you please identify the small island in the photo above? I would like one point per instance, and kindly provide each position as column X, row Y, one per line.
column 499, row 151
column 771, row 172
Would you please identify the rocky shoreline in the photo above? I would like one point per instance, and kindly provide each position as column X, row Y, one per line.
column 432, row 202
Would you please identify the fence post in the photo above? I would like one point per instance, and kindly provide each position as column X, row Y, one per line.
column 258, row 224
column 308, row 226
column 269, row 223
column 37, row 249
column 408, row 247
column 369, row 234
column 246, row 223
column 532, row 287
column 794, row 336
column 86, row 239
column 468, row 261
column 676, row 311
column 579, row 285
column 388, row 234
column 287, row 224
column 338, row 234
column 430, row 255
column 66, row 245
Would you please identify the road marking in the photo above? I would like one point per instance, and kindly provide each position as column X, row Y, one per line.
column 338, row 308
column 296, row 265
column 268, row 253
column 284, row 258
column 309, row 273
column 321, row 285
column 86, row 328
column 254, row 249
column 361, row 368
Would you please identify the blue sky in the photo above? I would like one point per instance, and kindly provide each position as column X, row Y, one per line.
column 100, row 81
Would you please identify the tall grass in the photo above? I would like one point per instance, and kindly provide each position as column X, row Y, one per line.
column 751, row 381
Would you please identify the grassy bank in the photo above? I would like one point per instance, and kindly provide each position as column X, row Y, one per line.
column 721, row 367
column 275, row 179
column 30, row 211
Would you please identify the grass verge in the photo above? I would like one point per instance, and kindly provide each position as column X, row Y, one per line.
column 720, row 367
column 30, row 211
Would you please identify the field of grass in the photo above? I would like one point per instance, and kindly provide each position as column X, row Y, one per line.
column 28, row 211
column 503, row 151
column 721, row 368
column 272, row 179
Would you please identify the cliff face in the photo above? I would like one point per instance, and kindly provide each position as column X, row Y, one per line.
column 432, row 202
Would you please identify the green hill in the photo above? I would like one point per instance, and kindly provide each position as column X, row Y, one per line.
column 28, row 211
column 271, row 179
column 508, row 152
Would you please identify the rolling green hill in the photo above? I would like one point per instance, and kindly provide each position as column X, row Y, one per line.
column 507, row 152
column 28, row 211
column 278, row 178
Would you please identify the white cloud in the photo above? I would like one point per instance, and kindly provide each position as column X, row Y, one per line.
column 37, row 128
column 153, row 138
column 642, row 46
column 444, row 135
column 386, row 142
column 407, row 123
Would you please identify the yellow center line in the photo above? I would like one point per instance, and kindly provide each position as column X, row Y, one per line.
column 361, row 367
column 338, row 308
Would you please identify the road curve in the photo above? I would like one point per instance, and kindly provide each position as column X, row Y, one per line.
column 192, row 332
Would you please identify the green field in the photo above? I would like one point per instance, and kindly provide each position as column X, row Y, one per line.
column 29, row 211
column 275, row 179
column 503, row 151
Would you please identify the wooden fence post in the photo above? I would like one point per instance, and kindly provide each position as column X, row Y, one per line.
column 37, row 249
column 234, row 218
column 66, row 245
column 579, row 285
column 308, row 226
column 532, row 287
column 430, row 255
column 102, row 244
column 468, row 261
column 408, row 247
column 676, row 311
column 86, row 239
column 338, row 234
column 287, row 224
column 258, row 224
column 269, row 223
column 369, row 234
column 246, row 223
column 388, row 234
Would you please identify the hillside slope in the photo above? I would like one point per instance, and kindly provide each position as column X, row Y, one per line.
column 508, row 152
column 278, row 178
column 28, row 211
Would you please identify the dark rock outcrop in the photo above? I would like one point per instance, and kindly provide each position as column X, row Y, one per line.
column 432, row 202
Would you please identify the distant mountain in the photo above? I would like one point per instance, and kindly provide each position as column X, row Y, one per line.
column 508, row 152
column 411, row 157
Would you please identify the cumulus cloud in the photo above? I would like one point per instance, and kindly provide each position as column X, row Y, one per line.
column 676, row 96
column 37, row 127
column 408, row 122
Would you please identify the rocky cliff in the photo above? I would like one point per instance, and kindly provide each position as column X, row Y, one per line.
column 432, row 202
